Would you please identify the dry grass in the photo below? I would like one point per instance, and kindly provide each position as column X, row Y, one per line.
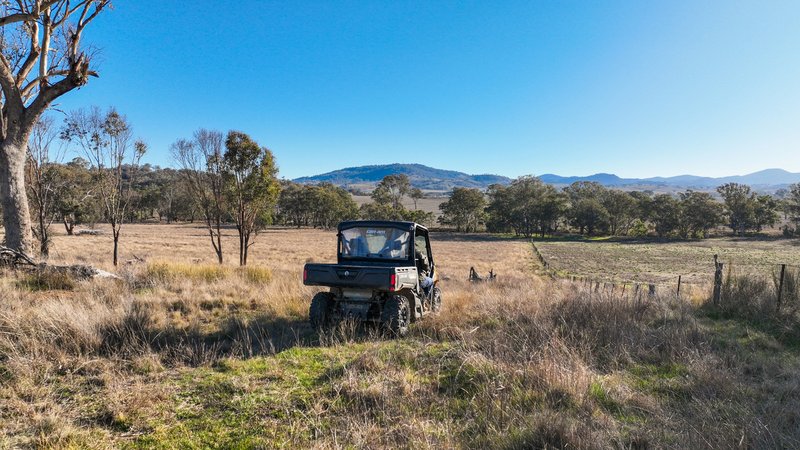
column 430, row 205
column 662, row 262
column 184, row 353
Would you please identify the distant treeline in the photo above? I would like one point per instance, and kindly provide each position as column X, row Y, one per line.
column 529, row 207
column 171, row 195
column 221, row 180
column 526, row 207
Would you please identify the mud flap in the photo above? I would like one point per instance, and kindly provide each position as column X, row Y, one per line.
column 355, row 310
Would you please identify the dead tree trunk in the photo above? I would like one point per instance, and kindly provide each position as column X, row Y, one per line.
column 115, row 232
column 68, row 226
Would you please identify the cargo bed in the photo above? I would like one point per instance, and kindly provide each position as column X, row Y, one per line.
column 387, row 278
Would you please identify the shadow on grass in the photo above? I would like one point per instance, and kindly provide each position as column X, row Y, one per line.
column 784, row 329
column 238, row 337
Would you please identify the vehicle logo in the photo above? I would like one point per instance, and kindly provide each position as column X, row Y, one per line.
column 347, row 273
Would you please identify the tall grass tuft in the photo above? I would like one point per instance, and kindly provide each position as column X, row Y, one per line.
column 171, row 271
column 754, row 299
column 255, row 274
column 47, row 281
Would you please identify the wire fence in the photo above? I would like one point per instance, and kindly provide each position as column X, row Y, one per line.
column 784, row 279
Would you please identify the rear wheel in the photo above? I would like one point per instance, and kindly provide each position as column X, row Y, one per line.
column 436, row 302
column 319, row 313
column 396, row 315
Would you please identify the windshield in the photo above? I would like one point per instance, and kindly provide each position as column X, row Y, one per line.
column 375, row 242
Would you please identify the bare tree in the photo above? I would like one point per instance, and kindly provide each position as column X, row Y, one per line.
column 41, row 59
column 201, row 162
column 43, row 179
column 107, row 141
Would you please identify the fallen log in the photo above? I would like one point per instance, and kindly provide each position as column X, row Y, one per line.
column 475, row 278
column 13, row 259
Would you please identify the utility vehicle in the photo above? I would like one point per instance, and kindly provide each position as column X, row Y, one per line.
column 384, row 274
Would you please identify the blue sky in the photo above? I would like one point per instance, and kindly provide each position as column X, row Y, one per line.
column 512, row 87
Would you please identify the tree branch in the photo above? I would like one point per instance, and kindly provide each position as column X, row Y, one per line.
column 33, row 55
column 14, row 18
column 8, row 83
column 48, row 30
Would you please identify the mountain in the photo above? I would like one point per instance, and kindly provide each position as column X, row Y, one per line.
column 764, row 178
column 422, row 177
column 605, row 179
column 428, row 178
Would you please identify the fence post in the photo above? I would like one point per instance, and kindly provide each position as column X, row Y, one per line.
column 717, row 280
column 780, row 286
column 678, row 294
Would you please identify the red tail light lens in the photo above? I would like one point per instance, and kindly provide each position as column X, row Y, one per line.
column 305, row 275
column 392, row 282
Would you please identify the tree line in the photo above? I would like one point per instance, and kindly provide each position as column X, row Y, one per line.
column 529, row 207
column 222, row 180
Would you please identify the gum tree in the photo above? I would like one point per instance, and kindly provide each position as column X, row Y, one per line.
column 200, row 160
column 44, row 183
column 107, row 141
column 251, row 187
column 41, row 59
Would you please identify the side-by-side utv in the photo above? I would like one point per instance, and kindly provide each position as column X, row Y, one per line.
column 385, row 274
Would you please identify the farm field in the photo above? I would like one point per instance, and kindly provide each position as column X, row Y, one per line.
column 282, row 250
column 430, row 205
column 662, row 262
column 183, row 353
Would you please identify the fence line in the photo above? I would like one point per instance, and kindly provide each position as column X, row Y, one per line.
column 718, row 278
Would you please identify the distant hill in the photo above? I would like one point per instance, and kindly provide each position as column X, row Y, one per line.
column 431, row 179
column 769, row 178
column 423, row 177
column 763, row 178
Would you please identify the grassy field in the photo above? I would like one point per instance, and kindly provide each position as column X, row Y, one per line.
column 662, row 262
column 182, row 353
column 425, row 204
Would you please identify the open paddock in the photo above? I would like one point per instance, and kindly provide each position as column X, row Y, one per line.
column 650, row 261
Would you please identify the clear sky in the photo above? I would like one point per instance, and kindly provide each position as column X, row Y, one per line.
column 636, row 88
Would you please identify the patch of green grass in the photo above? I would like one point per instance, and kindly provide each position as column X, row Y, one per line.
column 669, row 380
column 248, row 403
column 618, row 410
column 759, row 333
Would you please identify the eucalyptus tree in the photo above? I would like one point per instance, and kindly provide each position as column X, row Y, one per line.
column 41, row 59
column 466, row 209
column 44, row 182
column 201, row 163
column 106, row 139
column 251, row 187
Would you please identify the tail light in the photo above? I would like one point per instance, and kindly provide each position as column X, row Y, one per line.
column 392, row 282
column 305, row 274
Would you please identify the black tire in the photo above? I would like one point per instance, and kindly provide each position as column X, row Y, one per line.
column 319, row 313
column 396, row 315
column 436, row 302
